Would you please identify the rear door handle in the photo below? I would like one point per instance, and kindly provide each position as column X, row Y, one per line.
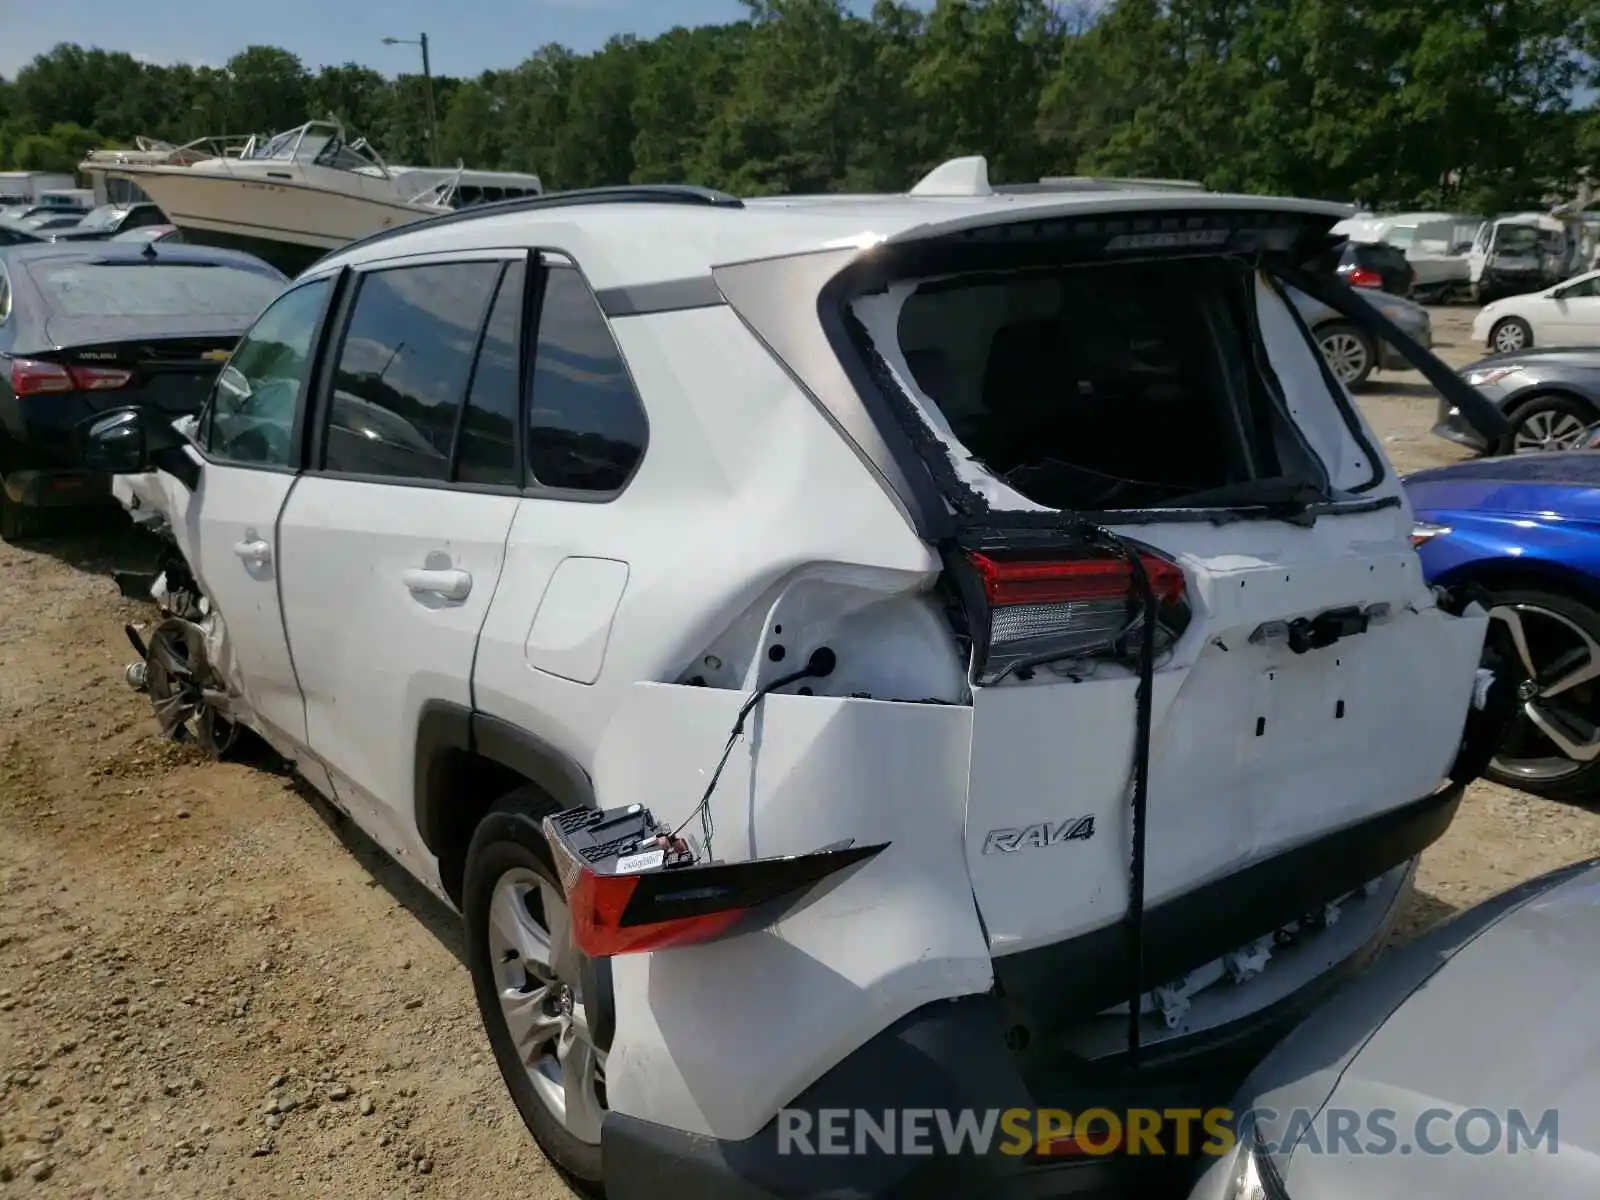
column 451, row 584
column 257, row 553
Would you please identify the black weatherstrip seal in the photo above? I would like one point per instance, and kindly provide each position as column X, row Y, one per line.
column 670, row 295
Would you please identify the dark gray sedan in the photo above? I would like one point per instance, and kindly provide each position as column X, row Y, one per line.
column 1352, row 353
column 1551, row 396
column 1462, row 1065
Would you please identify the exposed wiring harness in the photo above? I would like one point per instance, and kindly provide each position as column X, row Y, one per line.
column 1144, row 662
column 818, row 666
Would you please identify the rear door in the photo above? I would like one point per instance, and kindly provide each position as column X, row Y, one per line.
column 393, row 540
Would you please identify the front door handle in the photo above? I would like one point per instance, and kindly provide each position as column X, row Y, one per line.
column 256, row 553
column 451, row 584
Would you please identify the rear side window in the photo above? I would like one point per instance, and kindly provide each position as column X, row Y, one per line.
column 86, row 289
column 586, row 428
column 404, row 367
column 1380, row 258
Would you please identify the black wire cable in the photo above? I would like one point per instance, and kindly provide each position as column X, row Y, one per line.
column 818, row 666
column 1144, row 708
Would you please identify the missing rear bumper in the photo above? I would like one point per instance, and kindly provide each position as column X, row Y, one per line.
column 1052, row 988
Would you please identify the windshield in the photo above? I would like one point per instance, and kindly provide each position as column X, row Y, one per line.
column 107, row 216
column 87, row 289
column 1517, row 239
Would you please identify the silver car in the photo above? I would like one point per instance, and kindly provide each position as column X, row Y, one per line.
column 1462, row 1065
column 1352, row 353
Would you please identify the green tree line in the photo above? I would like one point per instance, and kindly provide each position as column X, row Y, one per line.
column 1460, row 104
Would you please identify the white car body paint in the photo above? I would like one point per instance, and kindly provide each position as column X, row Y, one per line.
column 1565, row 315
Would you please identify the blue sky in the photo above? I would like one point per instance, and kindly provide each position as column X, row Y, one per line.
column 465, row 37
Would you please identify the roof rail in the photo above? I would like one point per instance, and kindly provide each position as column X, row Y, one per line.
column 1092, row 183
column 633, row 193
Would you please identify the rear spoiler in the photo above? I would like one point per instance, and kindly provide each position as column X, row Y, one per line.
column 1477, row 411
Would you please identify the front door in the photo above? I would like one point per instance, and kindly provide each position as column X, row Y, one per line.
column 393, row 541
column 229, row 527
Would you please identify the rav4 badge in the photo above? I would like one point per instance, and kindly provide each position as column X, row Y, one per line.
column 1009, row 841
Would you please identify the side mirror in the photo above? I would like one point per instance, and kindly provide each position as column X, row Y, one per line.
column 126, row 441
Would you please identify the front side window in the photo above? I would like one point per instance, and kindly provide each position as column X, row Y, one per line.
column 586, row 428
column 250, row 419
column 404, row 367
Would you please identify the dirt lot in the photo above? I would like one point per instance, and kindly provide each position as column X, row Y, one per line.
column 210, row 987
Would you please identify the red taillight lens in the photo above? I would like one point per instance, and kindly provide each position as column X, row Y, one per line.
column 30, row 377
column 100, row 379
column 33, row 377
column 645, row 907
column 1363, row 278
column 1100, row 575
column 1046, row 607
column 598, row 904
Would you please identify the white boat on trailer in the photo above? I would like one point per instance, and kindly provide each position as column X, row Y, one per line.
column 295, row 196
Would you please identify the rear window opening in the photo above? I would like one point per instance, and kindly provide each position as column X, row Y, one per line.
column 1098, row 387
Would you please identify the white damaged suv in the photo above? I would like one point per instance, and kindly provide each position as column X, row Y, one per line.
column 1130, row 666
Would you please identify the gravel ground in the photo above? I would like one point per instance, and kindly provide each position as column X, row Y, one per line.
column 211, row 985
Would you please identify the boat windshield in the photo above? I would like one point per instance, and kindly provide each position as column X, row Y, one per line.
column 319, row 142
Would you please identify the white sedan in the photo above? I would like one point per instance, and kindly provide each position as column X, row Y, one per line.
column 1565, row 315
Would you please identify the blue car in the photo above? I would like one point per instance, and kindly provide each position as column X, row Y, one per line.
column 1527, row 528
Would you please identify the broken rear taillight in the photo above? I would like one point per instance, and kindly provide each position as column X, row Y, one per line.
column 1048, row 606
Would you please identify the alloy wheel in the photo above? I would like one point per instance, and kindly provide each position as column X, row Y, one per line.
column 1347, row 356
column 536, row 978
column 1548, row 429
column 1555, row 733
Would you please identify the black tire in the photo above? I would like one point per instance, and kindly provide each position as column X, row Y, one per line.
column 1539, row 418
column 1527, row 759
column 1514, row 331
column 509, row 839
column 20, row 523
column 1350, row 353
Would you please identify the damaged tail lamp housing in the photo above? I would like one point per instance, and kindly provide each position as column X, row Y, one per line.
column 632, row 885
column 1050, row 605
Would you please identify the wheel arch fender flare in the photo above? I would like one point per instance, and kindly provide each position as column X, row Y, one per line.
column 444, row 727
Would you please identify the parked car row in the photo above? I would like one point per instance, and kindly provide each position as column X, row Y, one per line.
column 54, row 222
column 630, row 471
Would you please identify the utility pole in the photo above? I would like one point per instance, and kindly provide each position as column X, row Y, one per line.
column 427, row 90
